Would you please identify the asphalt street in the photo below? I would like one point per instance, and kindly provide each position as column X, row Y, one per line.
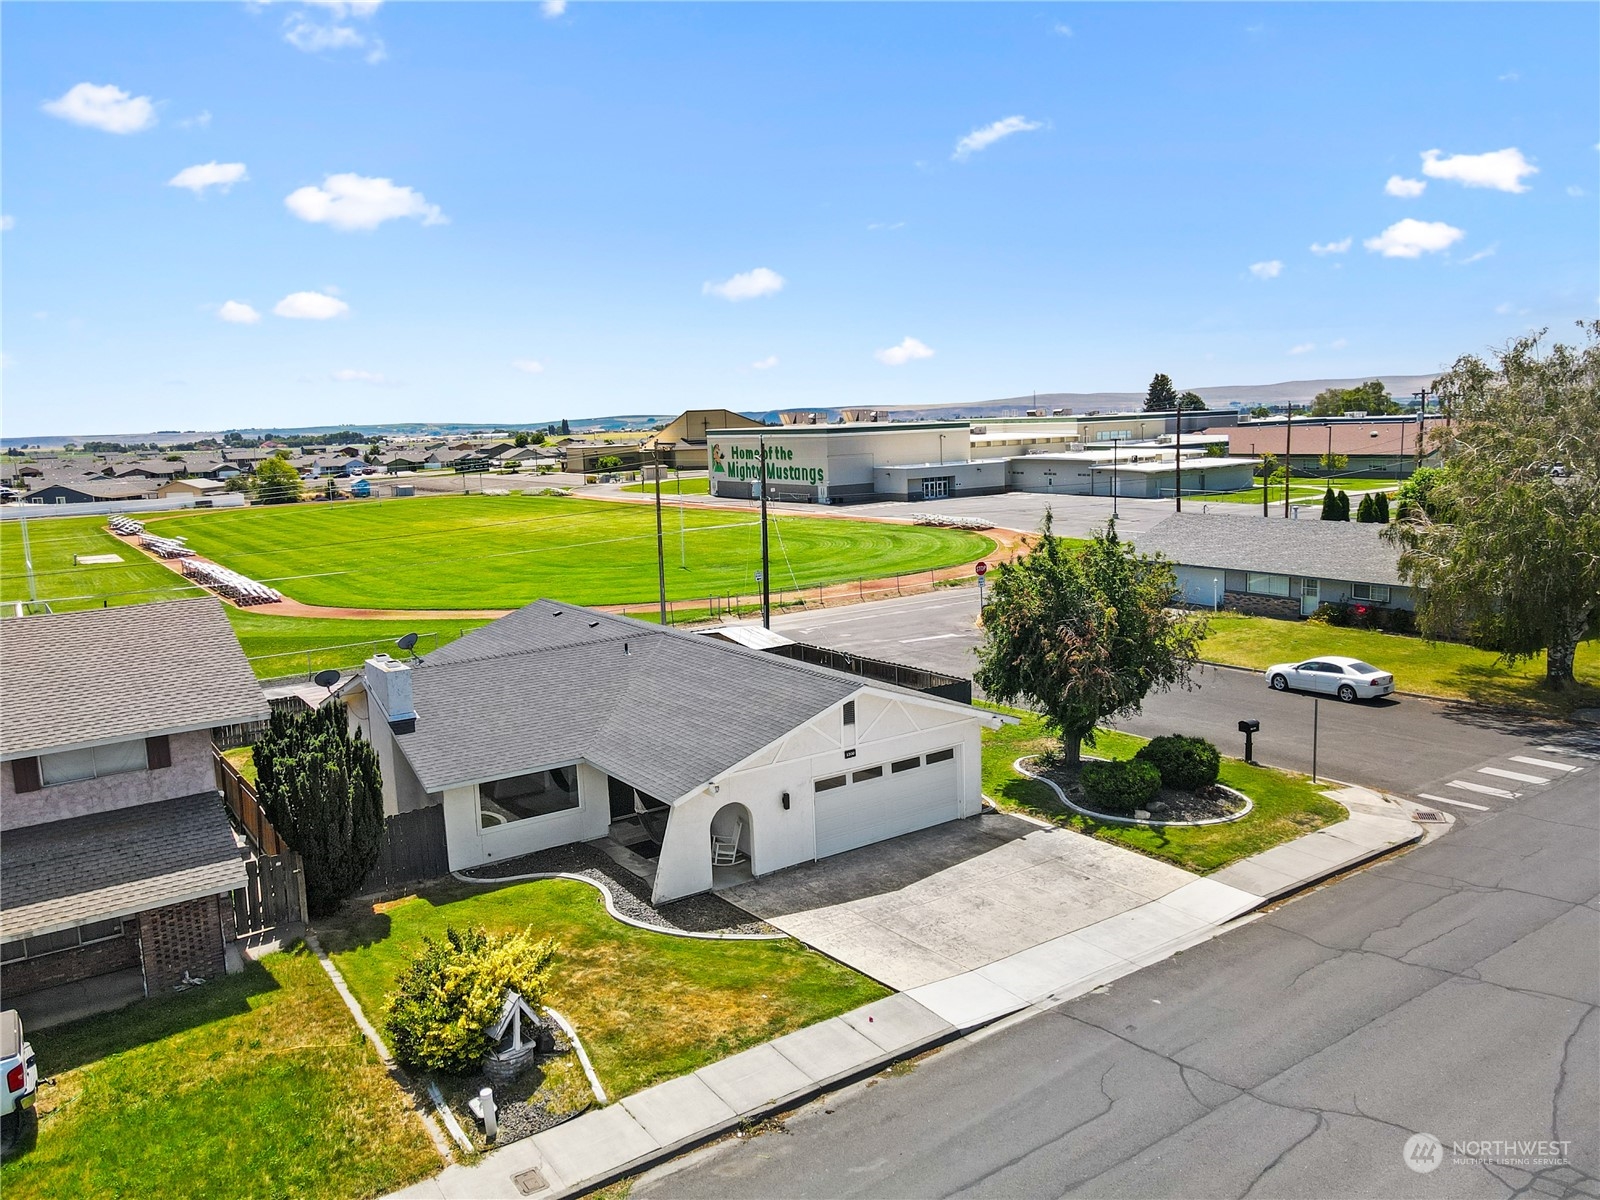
column 1406, row 745
column 1449, row 991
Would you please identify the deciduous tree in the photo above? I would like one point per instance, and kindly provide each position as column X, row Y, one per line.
column 1084, row 636
column 276, row 481
column 1506, row 545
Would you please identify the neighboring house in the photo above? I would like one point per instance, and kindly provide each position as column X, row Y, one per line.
column 401, row 461
column 583, row 458
column 116, row 852
column 191, row 487
column 548, row 725
column 89, row 491
column 152, row 468
column 1276, row 567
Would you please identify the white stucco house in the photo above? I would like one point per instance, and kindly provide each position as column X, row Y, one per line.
column 550, row 724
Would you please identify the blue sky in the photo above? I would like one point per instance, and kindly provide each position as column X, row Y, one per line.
column 514, row 212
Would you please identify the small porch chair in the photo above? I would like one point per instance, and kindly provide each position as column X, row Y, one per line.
column 725, row 850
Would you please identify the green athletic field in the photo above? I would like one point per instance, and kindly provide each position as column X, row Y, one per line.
column 697, row 485
column 503, row 551
column 55, row 540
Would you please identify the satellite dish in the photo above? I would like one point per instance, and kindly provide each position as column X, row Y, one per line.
column 326, row 679
column 407, row 641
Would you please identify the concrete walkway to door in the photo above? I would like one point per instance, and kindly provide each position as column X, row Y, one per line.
column 955, row 898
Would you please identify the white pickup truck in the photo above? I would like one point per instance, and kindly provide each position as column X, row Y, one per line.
column 21, row 1072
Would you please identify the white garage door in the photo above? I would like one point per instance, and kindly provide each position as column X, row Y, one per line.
column 876, row 801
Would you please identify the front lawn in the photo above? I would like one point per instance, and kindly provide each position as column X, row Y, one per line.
column 648, row 1006
column 256, row 1084
column 1443, row 669
column 1287, row 805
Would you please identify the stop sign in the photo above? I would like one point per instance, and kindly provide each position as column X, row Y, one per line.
column 983, row 569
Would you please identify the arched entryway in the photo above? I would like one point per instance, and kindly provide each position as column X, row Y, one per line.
column 731, row 843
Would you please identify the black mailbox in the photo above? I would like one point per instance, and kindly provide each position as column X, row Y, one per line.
column 1247, row 728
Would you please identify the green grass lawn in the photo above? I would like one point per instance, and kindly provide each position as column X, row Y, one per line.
column 1287, row 805
column 279, row 646
column 648, row 1006
column 504, row 551
column 53, row 541
column 695, row 485
column 1304, row 489
column 1441, row 669
column 254, row 1085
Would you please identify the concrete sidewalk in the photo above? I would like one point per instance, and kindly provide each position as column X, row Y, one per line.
column 659, row 1122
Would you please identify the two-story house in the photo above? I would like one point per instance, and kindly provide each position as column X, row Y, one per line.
column 117, row 857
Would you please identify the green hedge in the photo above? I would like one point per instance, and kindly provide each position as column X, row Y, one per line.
column 1118, row 788
column 1186, row 764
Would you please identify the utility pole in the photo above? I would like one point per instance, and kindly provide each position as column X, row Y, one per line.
column 1177, row 459
column 1115, row 443
column 661, row 561
column 1266, row 482
column 766, row 572
column 1288, row 470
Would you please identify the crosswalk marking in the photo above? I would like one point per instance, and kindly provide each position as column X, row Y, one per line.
column 1457, row 803
column 1484, row 790
column 1517, row 775
column 1543, row 762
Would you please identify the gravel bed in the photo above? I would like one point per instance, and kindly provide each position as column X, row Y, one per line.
column 705, row 913
column 1207, row 804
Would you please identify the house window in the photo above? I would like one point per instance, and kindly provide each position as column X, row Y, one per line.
column 521, row 797
column 1267, row 585
column 849, row 712
column 939, row 756
column 62, row 939
column 828, row 784
column 70, row 766
column 862, row 776
column 1373, row 593
column 905, row 764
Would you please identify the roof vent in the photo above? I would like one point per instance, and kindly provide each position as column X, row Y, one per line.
column 558, row 612
column 594, row 624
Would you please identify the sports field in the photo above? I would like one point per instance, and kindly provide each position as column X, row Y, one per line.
column 462, row 552
column 54, row 541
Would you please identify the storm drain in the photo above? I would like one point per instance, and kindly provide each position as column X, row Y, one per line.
column 1427, row 814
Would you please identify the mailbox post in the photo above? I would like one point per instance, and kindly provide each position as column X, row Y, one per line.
column 1249, row 728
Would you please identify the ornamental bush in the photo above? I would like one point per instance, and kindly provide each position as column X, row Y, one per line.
column 439, row 1014
column 1186, row 764
column 1119, row 788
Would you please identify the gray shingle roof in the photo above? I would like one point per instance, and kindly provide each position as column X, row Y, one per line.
column 544, row 686
column 115, row 864
column 1329, row 549
column 111, row 674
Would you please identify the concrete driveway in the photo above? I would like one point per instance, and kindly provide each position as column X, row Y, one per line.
column 942, row 901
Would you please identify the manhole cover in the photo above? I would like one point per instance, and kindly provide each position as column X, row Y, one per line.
column 1427, row 814
column 529, row 1182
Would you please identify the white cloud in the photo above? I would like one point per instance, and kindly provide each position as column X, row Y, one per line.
column 1062, row 30
column 531, row 366
column 982, row 139
column 1338, row 343
column 1574, row 190
column 7, row 223
column 747, row 285
column 1499, row 169
column 349, row 376
column 1509, row 77
column 1339, row 247
column 1486, row 252
column 212, row 174
column 1406, row 189
column 200, row 120
column 108, row 108
column 1270, row 269
column 353, row 201
column 325, row 31
column 877, row 225
column 310, row 306
column 553, row 8
column 898, row 356
column 237, row 312
column 1412, row 238
column 1504, row 310
column 765, row 364
column 1303, row 348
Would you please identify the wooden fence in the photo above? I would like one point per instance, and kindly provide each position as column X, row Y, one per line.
column 231, row 737
column 246, row 808
column 413, row 849
column 274, row 895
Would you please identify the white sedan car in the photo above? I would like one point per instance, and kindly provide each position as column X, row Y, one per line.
column 1350, row 679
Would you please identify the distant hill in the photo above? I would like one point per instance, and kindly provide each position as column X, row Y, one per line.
column 1297, row 391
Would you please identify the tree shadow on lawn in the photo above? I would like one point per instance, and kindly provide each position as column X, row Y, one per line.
column 79, row 1043
column 1517, row 701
